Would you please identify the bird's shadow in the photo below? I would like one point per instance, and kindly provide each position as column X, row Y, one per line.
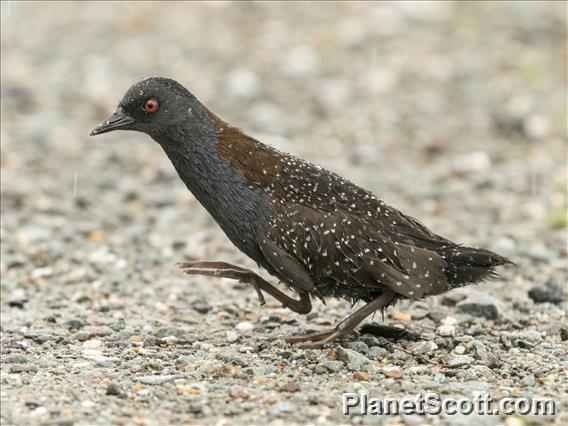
column 389, row 332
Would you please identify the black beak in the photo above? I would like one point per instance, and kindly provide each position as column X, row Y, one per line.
column 117, row 120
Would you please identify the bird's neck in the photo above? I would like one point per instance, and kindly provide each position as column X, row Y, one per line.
column 222, row 189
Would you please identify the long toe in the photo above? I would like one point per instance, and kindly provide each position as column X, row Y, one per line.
column 318, row 343
column 308, row 337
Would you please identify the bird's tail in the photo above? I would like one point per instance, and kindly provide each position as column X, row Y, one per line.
column 467, row 265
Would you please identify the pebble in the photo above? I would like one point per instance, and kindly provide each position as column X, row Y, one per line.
column 200, row 306
column 446, row 330
column 455, row 361
column 23, row 368
column 156, row 380
column 89, row 332
column 393, row 372
column 238, row 392
column 354, row 360
column 424, row 348
column 452, row 298
column 15, row 359
column 528, row 381
column 113, row 389
column 282, row 407
column 459, row 350
column 377, row 353
column 361, row 375
column 232, row 336
column 92, row 344
column 333, row 366
column 550, row 292
column 290, row 387
column 244, row 327
column 481, row 305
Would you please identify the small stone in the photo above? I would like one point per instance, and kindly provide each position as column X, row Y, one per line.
column 333, row 366
column 200, row 306
column 89, row 332
column 377, row 353
column 156, row 380
column 261, row 379
column 528, row 381
column 550, row 292
column 505, row 246
column 530, row 335
column 17, row 303
column 290, row 387
column 417, row 370
column 452, row 298
column 113, row 389
column 23, row 368
column 393, row 372
column 232, row 336
column 238, row 392
column 354, row 360
column 437, row 315
column 283, row 407
column 523, row 344
column 449, row 321
column 455, row 361
column 226, row 370
column 360, row 347
column 400, row 316
column 92, row 344
column 15, row 359
column 481, row 305
column 244, row 327
column 425, row 348
column 459, row 350
column 75, row 324
column 446, row 330
column 361, row 375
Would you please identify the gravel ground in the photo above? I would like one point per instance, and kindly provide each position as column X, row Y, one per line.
column 454, row 113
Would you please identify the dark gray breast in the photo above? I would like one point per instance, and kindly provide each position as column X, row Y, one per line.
column 238, row 208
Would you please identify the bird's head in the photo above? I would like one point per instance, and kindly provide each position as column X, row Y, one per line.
column 154, row 106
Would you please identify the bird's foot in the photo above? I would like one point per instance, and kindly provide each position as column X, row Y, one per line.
column 317, row 339
column 223, row 270
column 345, row 327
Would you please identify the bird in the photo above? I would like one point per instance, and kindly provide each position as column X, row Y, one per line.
column 317, row 233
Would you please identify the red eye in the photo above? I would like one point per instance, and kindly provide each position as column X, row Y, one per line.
column 151, row 105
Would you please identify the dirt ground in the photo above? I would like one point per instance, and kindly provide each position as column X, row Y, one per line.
column 455, row 113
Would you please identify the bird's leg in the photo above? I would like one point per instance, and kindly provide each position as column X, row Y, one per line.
column 320, row 338
column 226, row 270
column 219, row 269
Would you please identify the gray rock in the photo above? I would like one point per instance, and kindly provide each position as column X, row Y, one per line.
column 481, row 305
column 156, row 380
column 425, row 348
column 550, row 292
column 377, row 353
column 333, row 366
column 283, row 407
column 23, row 368
column 113, row 389
column 455, row 361
column 232, row 336
column 505, row 246
column 360, row 347
column 354, row 360
column 528, row 381
column 15, row 359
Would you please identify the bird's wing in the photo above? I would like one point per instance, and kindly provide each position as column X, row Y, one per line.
column 352, row 251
